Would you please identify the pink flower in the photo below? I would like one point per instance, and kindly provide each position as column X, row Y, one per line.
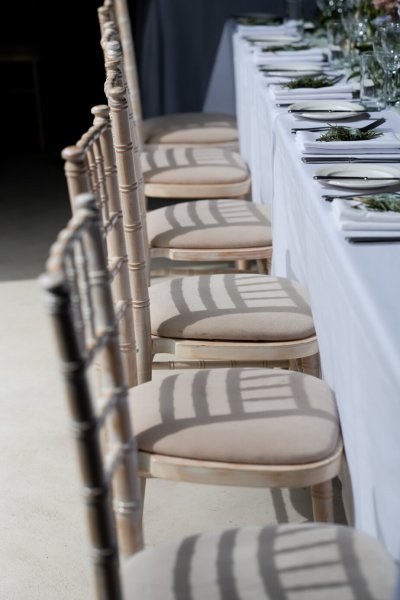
column 389, row 6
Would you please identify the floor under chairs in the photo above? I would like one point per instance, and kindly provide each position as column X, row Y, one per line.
column 188, row 129
column 269, row 561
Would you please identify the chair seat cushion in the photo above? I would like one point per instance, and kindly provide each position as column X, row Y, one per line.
column 232, row 307
column 254, row 416
column 191, row 129
column 306, row 562
column 192, row 166
column 210, row 224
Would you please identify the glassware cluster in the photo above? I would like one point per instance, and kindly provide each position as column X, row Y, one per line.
column 371, row 27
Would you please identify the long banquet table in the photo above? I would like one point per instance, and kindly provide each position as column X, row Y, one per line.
column 355, row 297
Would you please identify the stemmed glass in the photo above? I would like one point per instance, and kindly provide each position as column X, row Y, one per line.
column 388, row 57
column 330, row 8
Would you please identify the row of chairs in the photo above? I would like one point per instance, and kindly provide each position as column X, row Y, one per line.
column 277, row 561
column 232, row 426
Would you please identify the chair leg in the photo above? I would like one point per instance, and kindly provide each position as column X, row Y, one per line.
column 262, row 266
column 142, row 483
column 322, row 502
column 242, row 265
column 311, row 365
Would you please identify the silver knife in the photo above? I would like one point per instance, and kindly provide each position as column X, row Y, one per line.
column 314, row 160
column 373, row 240
column 325, row 110
column 356, row 177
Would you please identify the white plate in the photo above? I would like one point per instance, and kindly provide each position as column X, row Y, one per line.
column 353, row 109
column 376, row 171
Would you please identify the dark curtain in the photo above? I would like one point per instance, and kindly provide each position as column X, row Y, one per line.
column 178, row 48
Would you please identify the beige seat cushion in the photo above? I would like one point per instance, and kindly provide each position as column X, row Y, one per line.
column 210, row 224
column 274, row 562
column 191, row 128
column 254, row 416
column 192, row 166
column 232, row 307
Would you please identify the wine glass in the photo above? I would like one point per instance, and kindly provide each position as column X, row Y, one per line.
column 390, row 41
column 390, row 63
column 330, row 8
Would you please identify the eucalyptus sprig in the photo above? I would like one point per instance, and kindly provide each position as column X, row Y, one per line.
column 348, row 134
column 308, row 82
column 285, row 48
column 379, row 203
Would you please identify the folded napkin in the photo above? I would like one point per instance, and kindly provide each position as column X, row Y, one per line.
column 267, row 30
column 333, row 96
column 340, row 92
column 314, row 55
column 388, row 142
column 279, row 91
column 348, row 217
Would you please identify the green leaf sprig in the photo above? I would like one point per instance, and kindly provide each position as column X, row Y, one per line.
column 308, row 82
column 347, row 134
column 353, row 74
column 285, row 48
column 379, row 203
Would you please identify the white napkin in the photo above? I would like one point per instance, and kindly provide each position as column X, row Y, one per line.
column 314, row 55
column 388, row 142
column 267, row 30
column 281, row 93
column 340, row 92
column 286, row 99
column 361, row 219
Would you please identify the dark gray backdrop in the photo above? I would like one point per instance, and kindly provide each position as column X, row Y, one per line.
column 178, row 46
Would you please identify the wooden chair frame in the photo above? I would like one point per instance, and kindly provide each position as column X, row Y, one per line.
column 82, row 309
column 304, row 351
column 111, row 478
column 113, row 55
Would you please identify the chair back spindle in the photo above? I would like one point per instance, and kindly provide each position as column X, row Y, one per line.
column 117, row 11
column 90, row 167
column 129, row 193
column 109, row 474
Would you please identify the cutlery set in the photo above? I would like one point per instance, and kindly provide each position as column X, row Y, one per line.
column 319, row 160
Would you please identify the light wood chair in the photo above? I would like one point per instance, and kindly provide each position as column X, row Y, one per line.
column 90, row 167
column 182, row 172
column 252, row 562
column 182, row 129
column 215, row 319
column 217, row 231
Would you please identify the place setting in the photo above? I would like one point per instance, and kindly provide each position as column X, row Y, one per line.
column 372, row 150
column 325, row 86
column 297, row 52
column 367, row 218
column 367, row 140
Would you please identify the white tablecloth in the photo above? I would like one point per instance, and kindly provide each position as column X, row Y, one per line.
column 355, row 296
